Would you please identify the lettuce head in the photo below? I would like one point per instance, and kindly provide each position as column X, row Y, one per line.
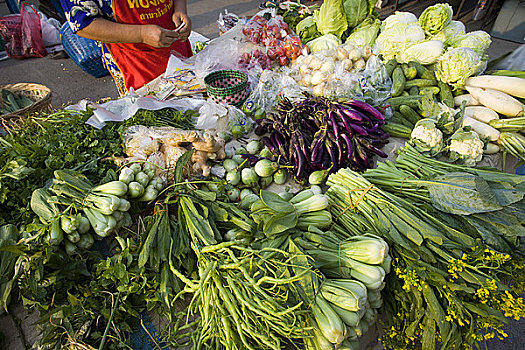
column 398, row 18
column 427, row 52
column 325, row 42
column 456, row 65
column 450, row 32
column 307, row 29
column 478, row 41
column 357, row 11
column 331, row 18
column 396, row 39
column 435, row 18
column 365, row 33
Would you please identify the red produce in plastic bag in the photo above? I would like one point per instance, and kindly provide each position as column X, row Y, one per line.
column 22, row 34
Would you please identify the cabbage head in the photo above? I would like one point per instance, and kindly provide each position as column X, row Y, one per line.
column 357, row 10
column 456, row 65
column 435, row 18
column 331, row 18
column 478, row 41
column 365, row 33
column 398, row 18
column 426, row 52
column 307, row 29
column 450, row 32
column 325, row 42
column 393, row 41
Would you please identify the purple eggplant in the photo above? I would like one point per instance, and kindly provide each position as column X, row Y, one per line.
column 365, row 107
column 369, row 147
column 351, row 114
column 359, row 129
column 349, row 146
column 268, row 143
column 332, row 153
column 335, row 128
column 317, row 146
column 251, row 158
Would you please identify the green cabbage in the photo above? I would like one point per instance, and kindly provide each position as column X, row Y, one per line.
column 365, row 33
column 450, row 32
column 435, row 18
column 331, row 18
column 307, row 29
column 426, row 52
column 396, row 39
column 478, row 41
column 398, row 18
column 357, row 11
column 456, row 65
column 325, row 42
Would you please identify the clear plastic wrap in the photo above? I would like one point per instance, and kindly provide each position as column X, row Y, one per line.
column 140, row 141
column 227, row 21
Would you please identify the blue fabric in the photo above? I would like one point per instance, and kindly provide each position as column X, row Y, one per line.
column 521, row 170
column 80, row 13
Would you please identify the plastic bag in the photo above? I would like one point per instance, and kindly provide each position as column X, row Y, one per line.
column 227, row 21
column 23, row 34
column 209, row 115
column 513, row 61
column 50, row 30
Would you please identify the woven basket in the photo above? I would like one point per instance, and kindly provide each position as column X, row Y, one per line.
column 229, row 86
column 40, row 94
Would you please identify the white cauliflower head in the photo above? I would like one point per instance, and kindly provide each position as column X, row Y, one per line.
column 426, row 137
column 466, row 147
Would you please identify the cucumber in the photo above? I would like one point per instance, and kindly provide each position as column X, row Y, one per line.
column 390, row 66
column 410, row 114
column 421, row 83
column 422, row 72
column 397, row 130
column 409, row 71
column 414, row 90
column 405, row 93
column 445, row 94
column 434, row 90
column 399, row 118
column 411, row 101
column 398, row 81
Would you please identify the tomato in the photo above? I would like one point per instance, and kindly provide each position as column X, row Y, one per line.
column 295, row 55
column 272, row 42
column 296, row 50
column 272, row 54
column 289, row 53
column 283, row 60
column 287, row 44
column 280, row 50
column 295, row 41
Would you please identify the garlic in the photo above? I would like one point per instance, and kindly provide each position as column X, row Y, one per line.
column 316, row 63
column 348, row 64
column 360, row 64
column 367, row 52
column 318, row 77
column 348, row 47
column 327, row 67
column 341, row 53
column 307, row 80
column 354, row 54
column 307, row 59
column 304, row 69
column 318, row 90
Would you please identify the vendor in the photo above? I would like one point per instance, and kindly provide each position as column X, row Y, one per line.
column 137, row 36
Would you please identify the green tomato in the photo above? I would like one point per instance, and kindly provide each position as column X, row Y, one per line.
column 237, row 131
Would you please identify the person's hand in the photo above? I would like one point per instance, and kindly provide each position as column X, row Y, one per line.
column 178, row 19
column 156, row 36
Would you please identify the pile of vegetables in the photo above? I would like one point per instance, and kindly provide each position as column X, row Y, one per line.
column 11, row 102
column 274, row 34
column 324, row 72
column 423, row 112
column 317, row 133
column 434, row 39
column 454, row 235
column 72, row 206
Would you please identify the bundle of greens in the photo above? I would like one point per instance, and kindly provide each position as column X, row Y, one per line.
column 62, row 140
column 453, row 233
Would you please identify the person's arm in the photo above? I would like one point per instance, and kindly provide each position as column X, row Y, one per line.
column 110, row 32
column 180, row 15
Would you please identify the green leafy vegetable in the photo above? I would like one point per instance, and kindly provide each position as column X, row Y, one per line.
column 331, row 18
column 435, row 18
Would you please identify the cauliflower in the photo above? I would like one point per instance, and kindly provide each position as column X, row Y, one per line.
column 466, row 147
column 426, row 137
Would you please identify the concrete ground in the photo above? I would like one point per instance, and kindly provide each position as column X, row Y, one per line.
column 70, row 84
